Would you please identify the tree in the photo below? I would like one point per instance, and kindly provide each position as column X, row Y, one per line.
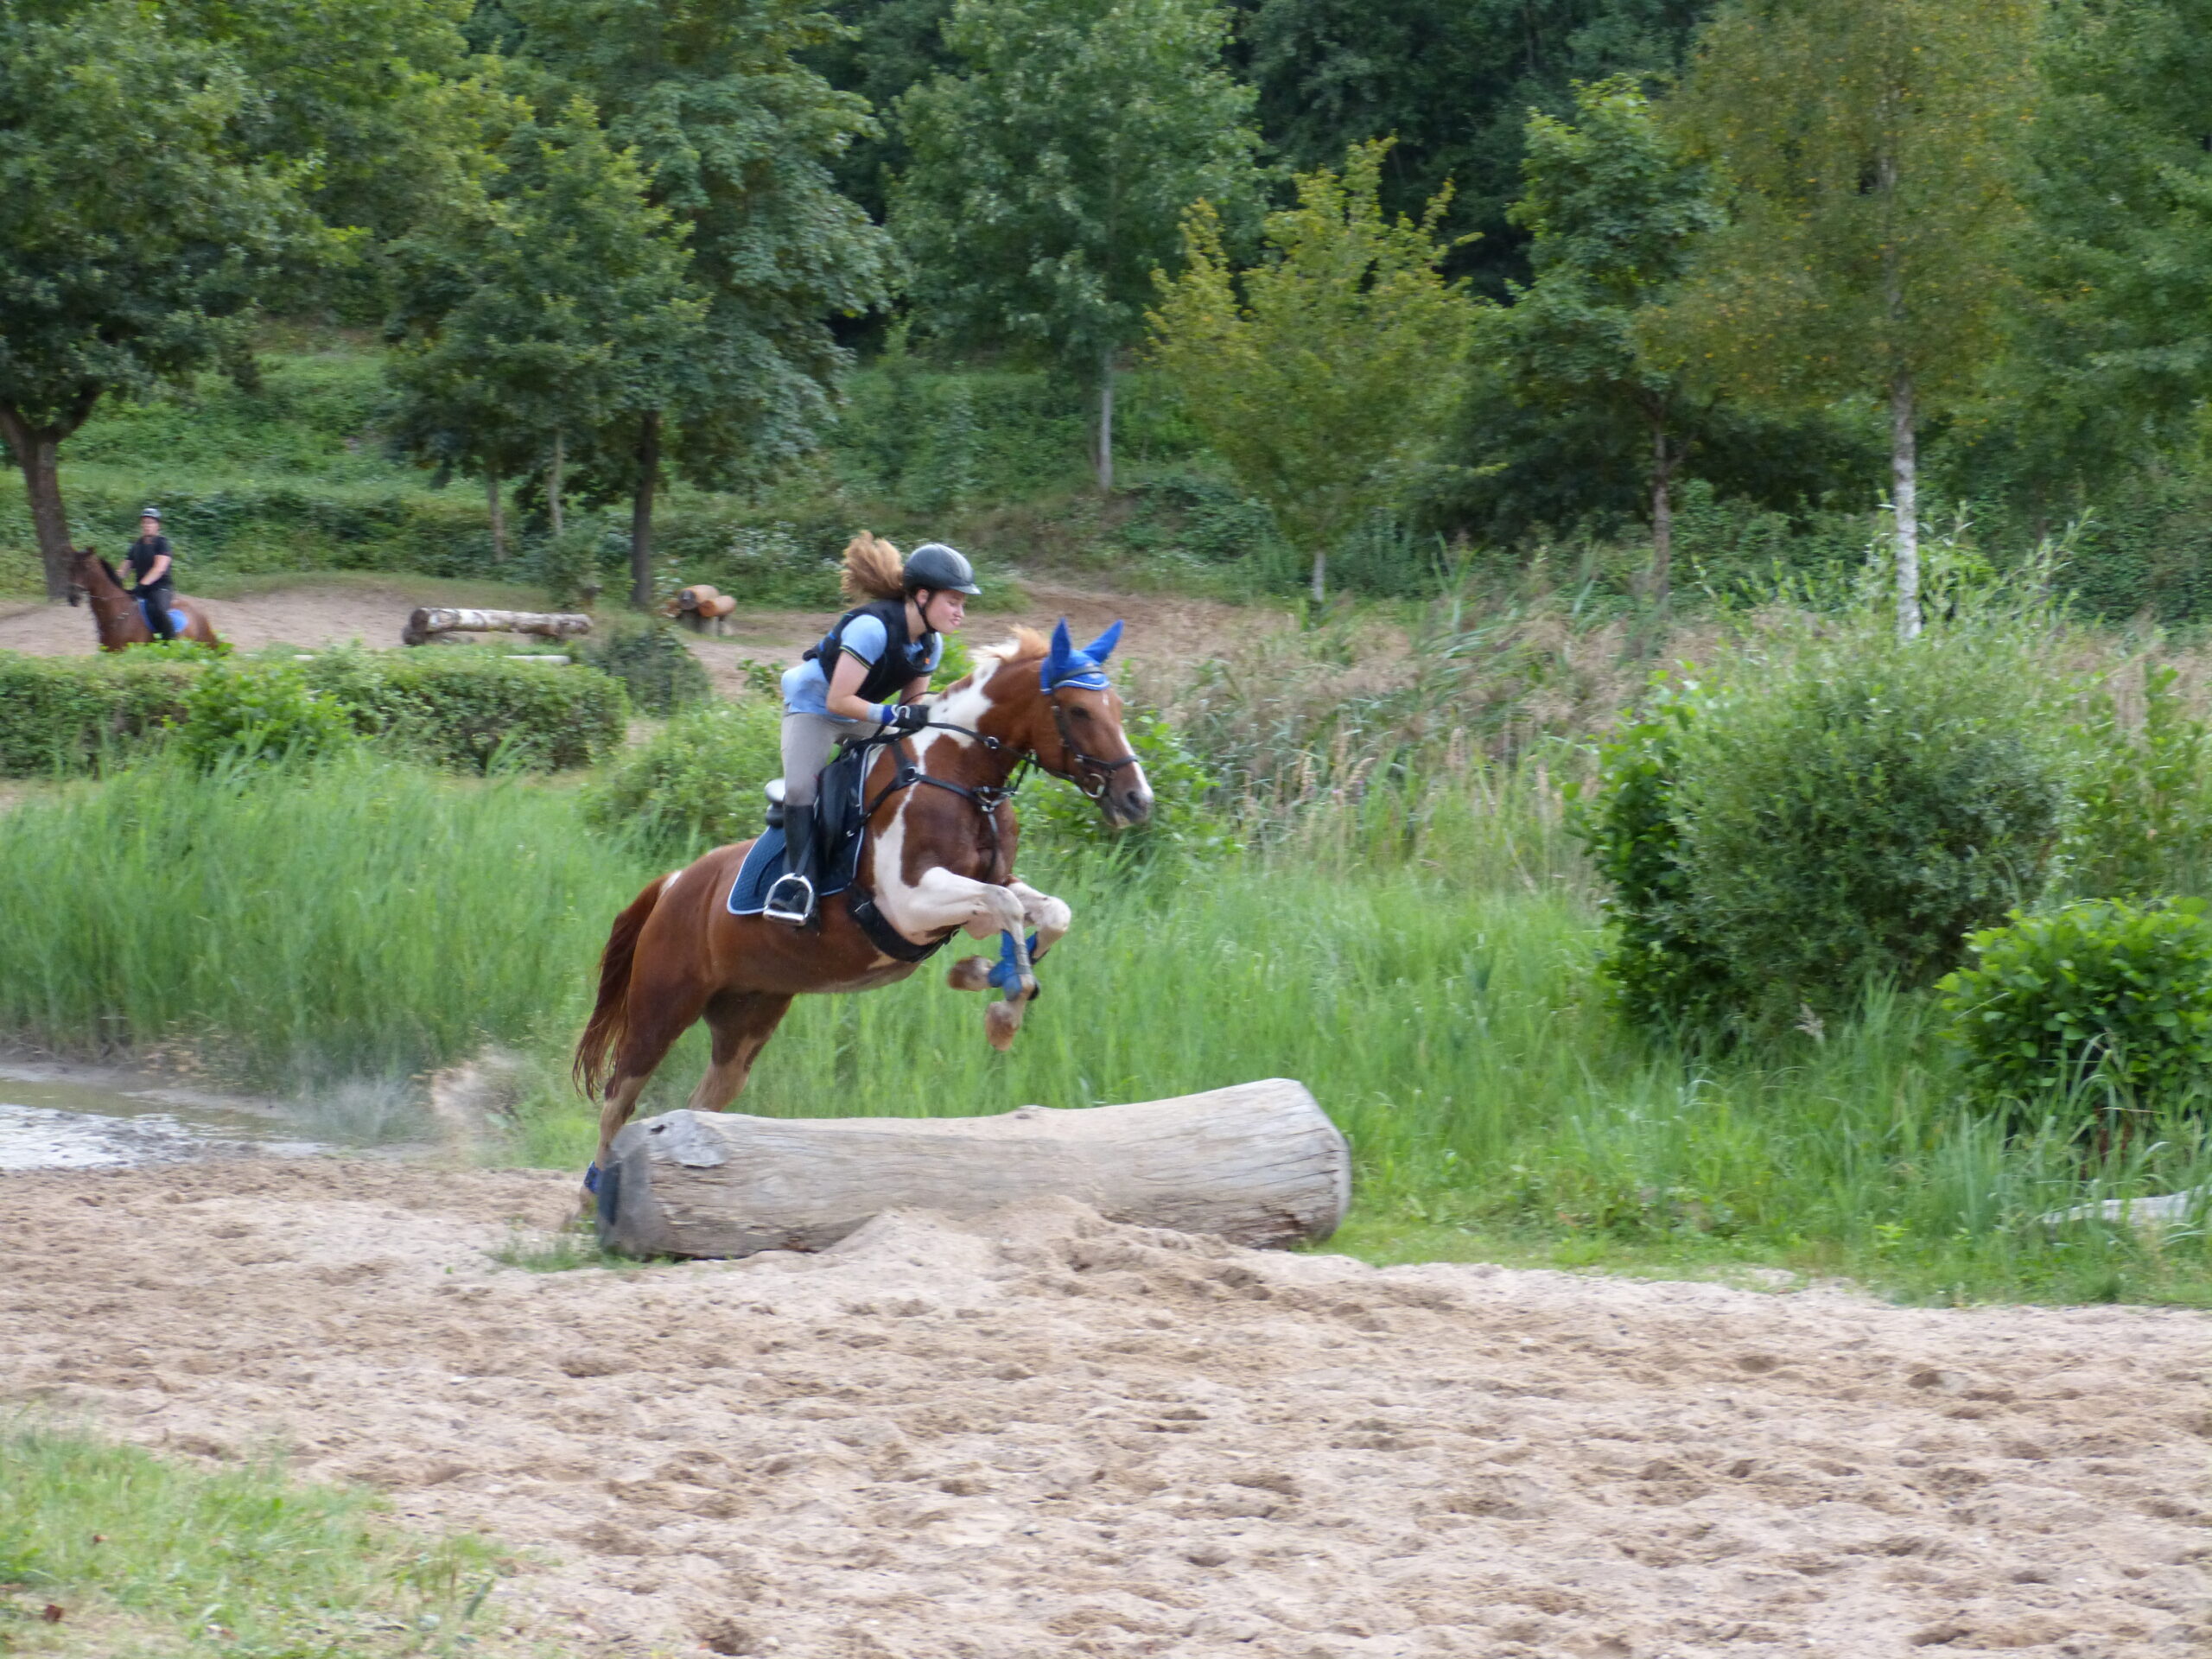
column 1336, row 372
column 559, row 308
column 1874, row 148
column 2112, row 358
column 1452, row 80
column 1612, row 210
column 134, row 230
column 736, row 140
column 1048, row 178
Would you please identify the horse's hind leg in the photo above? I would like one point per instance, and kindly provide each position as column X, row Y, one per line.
column 743, row 1023
column 659, row 1015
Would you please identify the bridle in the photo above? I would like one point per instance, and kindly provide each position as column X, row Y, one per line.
column 988, row 798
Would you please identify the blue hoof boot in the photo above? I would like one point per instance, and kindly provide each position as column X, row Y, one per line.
column 1003, row 976
column 591, row 1178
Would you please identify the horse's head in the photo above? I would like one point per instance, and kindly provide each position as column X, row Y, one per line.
column 82, row 563
column 1052, row 698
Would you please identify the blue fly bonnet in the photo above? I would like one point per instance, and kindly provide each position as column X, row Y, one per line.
column 1065, row 663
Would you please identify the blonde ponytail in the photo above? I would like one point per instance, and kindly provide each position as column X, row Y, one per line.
column 873, row 570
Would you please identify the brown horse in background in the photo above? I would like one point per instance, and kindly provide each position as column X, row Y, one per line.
column 115, row 612
column 938, row 857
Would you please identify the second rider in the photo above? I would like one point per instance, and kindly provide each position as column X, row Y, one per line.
column 864, row 677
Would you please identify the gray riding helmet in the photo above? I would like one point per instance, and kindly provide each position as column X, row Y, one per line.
column 941, row 570
column 154, row 513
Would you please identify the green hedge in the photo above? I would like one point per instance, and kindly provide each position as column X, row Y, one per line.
column 63, row 714
column 449, row 708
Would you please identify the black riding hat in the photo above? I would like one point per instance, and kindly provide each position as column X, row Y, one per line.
column 939, row 569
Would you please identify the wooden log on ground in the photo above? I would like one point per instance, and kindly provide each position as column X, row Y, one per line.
column 429, row 621
column 1260, row 1164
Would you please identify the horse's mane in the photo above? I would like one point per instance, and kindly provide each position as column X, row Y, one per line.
column 110, row 568
column 873, row 570
column 1022, row 645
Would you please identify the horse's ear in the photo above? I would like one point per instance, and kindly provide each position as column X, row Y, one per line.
column 1057, row 659
column 1102, row 647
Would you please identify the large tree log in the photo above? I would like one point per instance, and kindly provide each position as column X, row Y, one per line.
column 1258, row 1163
column 430, row 620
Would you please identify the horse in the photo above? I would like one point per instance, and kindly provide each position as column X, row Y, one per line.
column 938, row 856
column 116, row 614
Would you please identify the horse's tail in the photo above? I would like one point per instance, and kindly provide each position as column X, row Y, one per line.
column 611, row 1018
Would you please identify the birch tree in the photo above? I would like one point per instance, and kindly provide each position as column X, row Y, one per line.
column 1875, row 149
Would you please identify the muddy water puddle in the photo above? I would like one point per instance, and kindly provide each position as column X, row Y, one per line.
column 56, row 1117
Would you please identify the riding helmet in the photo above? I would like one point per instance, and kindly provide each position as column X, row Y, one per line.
column 154, row 513
column 940, row 568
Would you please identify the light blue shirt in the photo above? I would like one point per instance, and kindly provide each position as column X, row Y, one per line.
column 806, row 688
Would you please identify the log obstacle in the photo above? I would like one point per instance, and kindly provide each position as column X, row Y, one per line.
column 1259, row 1164
column 700, row 607
column 431, row 622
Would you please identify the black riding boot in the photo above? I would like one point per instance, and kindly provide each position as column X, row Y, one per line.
column 791, row 900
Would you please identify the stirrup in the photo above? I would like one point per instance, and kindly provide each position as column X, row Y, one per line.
column 791, row 900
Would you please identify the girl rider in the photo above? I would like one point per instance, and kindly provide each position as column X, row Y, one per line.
column 864, row 677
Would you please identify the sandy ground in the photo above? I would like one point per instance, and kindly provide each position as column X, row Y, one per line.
column 1040, row 1434
column 1162, row 631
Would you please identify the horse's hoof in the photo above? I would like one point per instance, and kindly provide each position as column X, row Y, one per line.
column 970, row 973
column 1001, row 1021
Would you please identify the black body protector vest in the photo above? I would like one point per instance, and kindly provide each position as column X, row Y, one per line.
column 902, row 660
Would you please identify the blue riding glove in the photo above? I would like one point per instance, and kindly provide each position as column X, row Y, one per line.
column 902, row 716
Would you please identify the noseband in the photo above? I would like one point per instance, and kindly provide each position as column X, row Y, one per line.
column 1102, row 771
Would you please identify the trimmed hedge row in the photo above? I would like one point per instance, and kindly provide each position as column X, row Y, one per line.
column 449, row 708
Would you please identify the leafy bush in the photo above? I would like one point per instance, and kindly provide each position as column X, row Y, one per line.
column 2102, row 989
column 2140, row 824
column 694, row 785
column 1848, row 811
column 1662, row 972
column 261, row 712
column 471, row 711
column 661, row 674
column 63, row 714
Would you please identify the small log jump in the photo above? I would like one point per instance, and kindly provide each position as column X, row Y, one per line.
column 433, row 622
column 1259, row 1164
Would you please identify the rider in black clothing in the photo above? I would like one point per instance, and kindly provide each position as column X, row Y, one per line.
column 154, row 564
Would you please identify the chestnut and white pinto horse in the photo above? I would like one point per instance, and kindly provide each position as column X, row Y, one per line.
column 939, row 857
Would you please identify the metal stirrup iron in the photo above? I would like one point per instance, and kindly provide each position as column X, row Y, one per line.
column 791, row 900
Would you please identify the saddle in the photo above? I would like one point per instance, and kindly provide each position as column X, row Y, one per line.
column 178, row 621
column 840, row 831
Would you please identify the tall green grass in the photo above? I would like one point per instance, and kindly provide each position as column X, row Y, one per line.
column 1423, row 960
column 363, row 918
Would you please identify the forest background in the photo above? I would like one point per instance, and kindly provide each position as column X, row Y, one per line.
column 768, row 271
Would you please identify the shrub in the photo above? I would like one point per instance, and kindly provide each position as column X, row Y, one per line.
column 1662, row 972
column 262, row 712
column 63, row 714
column 2140, row 825
column 694, row 785
column 1847, row 810
column 662, row 676
column 471, row 711
column 2097, row 989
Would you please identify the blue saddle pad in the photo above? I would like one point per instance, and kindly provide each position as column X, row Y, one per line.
column 178, row 621
column 840, row 820
column 748, row 894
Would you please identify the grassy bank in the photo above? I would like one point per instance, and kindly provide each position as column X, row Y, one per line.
column 1429, row 974
column 106, row 1550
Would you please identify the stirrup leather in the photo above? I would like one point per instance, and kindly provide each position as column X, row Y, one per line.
column 791, row 900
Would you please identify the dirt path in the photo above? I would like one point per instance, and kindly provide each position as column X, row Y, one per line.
column 1040, row 1433
column 1163, row 634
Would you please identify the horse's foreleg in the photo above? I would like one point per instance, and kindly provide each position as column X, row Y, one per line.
column 659, row 1015
column 1049, row 918
column 742, row 1025
column 941, row 900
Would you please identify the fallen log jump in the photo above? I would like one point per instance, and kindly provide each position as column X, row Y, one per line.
column 1260, row 1164
column 434, row 622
